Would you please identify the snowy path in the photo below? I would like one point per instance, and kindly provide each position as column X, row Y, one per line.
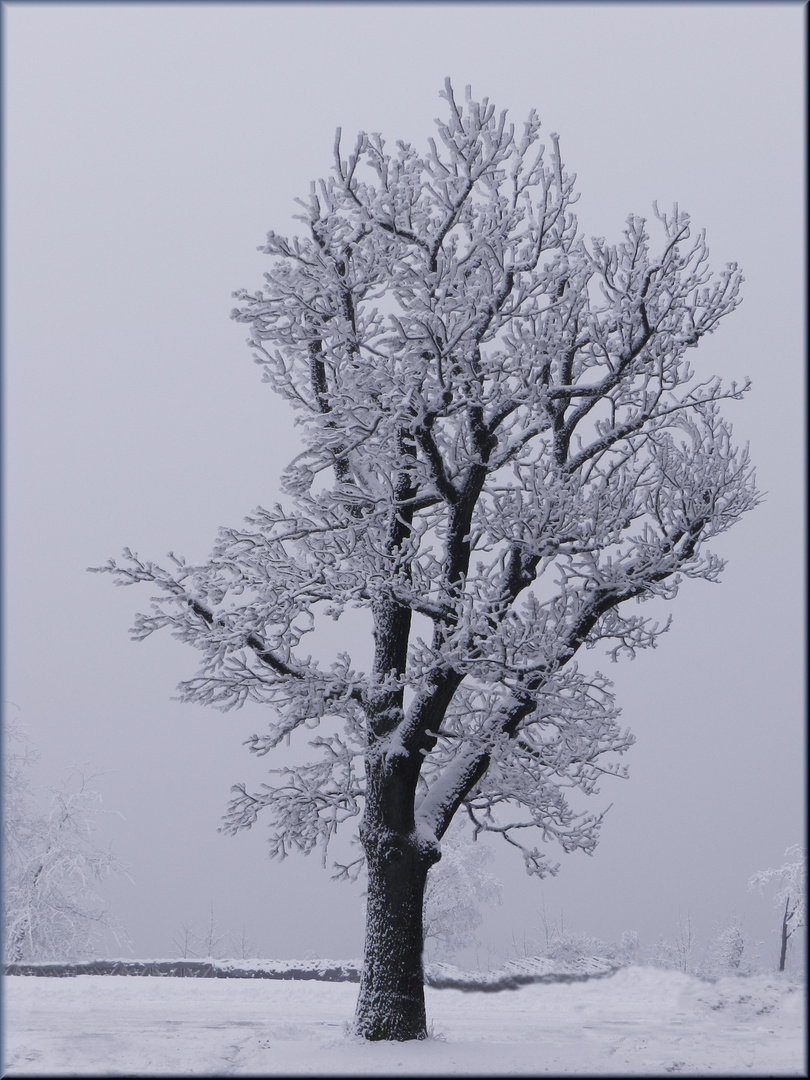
column 641, row 1021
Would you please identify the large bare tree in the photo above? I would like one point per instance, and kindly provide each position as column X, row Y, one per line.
column 505, row 450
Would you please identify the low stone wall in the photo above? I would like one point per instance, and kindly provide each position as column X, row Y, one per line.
column 328, row 971
column 512, row 976
column 518, row 973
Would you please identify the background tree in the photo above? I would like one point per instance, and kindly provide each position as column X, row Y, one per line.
column 457, row 887
column 791, row 899
column 677, row 955
column 212, row 942
column 505, row 446
column 51, row 863
column 728, row 952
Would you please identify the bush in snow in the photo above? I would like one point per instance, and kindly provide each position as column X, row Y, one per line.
column 556, row 942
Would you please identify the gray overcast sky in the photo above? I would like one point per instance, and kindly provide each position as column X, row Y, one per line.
column 148, row 148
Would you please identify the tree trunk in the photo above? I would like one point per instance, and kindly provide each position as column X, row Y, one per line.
column 785, row 936
column 391, row 1004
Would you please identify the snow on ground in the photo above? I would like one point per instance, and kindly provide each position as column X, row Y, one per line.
column 640, row 1021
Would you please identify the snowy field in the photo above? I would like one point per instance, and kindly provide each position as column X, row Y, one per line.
column 640, row 1021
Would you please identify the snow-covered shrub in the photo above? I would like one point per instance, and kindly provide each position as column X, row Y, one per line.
column 558, row 943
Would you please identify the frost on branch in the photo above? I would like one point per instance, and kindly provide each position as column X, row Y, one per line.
column 506, row 450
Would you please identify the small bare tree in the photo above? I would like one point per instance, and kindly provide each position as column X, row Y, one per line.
column 791, row 897
column 204, row 943
column 675, row 955
column 243, row 946
column 507, row 449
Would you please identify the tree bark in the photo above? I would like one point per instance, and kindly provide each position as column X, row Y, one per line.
column 391, row 1003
